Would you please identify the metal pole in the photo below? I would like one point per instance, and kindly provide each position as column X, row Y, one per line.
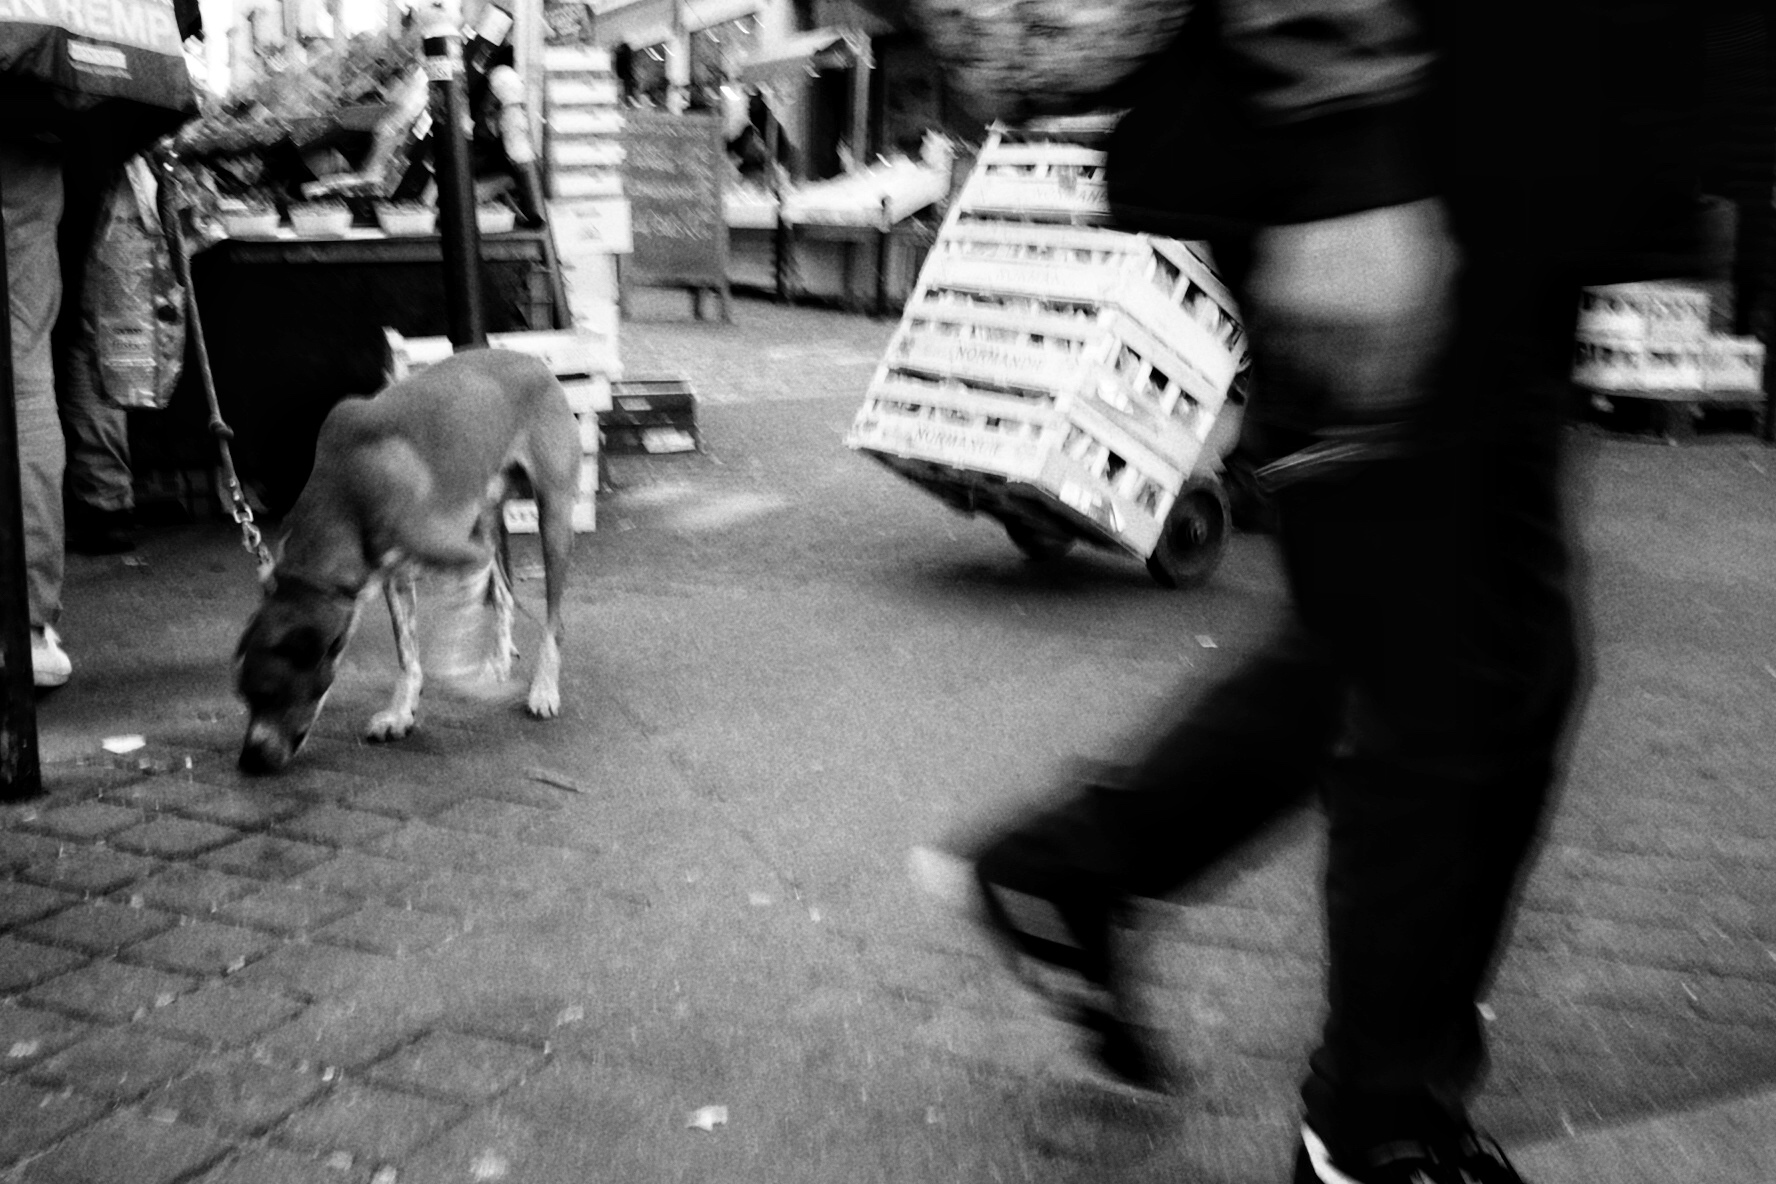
column 20, row 774
column 456, row 187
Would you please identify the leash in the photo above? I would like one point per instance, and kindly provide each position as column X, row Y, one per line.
column 252, row 539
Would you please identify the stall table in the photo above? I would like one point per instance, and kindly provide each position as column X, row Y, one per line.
column 295, row 324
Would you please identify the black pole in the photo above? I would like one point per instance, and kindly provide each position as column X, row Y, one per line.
column 20, row 774
column 456, row 186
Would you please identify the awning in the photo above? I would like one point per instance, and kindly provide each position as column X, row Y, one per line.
column 805, row 54
column 651, row 22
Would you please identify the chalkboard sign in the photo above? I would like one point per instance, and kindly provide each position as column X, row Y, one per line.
column 672, row 176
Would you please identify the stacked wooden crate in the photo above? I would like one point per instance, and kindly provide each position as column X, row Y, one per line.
column 1069, row 379
column 584, row 150
column 1653, row 341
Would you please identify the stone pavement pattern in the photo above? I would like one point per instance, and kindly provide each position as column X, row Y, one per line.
column 510, row 951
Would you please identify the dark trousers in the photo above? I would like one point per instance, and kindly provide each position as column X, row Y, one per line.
column 1420, row 688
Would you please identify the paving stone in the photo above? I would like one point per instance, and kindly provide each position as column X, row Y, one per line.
column 174, row 838
column 30, row 1034
column 203, row 948
column 110, row 991
column 456, row 1065
column 162, row 793
column 404, row 801
column 243, row 809
column 466, row 897
column 341, row 1034
column 87, row 821
column 371, row 1123
column 21, row 850
column 86, row 778
column 477, row 853
column 506, row 819
column 380, row 929
column 128, row 1148
column 275, row 1165
column 37, row 1117
column 20, row 903
column 193, row 891
column 314, row 971
column 118, row 1064
column 266, row 857
column 337, row 827
column 91, row 870
column 366, row 876
column 25, row 963
column 99, row 926
column 238, row 1095
column 290, row 909
column 228, row 1016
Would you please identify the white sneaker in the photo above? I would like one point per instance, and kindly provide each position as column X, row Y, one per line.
column 50, row 666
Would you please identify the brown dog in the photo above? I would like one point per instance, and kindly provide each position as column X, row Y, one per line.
column 409, row 481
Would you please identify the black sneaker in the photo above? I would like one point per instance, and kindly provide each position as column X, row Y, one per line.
column 1470, row 1158
column 1056, row 935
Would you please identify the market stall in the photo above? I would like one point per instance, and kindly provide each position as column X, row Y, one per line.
column 318, row 220
column 852, row 237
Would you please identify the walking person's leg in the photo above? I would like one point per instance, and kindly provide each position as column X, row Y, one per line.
column 1435, row 798
column 31, row 188
column 100, row 486
column 101, row 496
column 1215, row 774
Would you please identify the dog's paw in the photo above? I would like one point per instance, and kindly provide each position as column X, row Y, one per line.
column 545, row 700
column 388, row 725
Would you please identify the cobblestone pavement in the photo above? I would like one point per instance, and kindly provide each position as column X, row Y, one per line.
column 503, row 950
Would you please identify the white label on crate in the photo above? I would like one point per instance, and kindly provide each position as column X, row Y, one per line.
column 954, row 445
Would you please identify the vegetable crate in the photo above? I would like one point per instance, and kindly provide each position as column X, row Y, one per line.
column 1072, row 381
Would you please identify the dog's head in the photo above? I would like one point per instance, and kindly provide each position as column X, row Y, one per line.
column 284, row 668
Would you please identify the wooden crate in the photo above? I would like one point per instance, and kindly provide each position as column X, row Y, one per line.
column 655, row 415
column 1048, row 369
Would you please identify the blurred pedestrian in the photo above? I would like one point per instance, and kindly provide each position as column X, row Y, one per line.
column 1405, row 198
column 47, row 118
column 31, row 206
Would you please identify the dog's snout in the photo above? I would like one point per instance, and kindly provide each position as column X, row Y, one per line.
column 257, row 760
column 266, row 750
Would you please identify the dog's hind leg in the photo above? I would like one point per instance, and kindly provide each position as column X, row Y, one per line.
column 499, row 591
column 556, row 534
column 396, row 720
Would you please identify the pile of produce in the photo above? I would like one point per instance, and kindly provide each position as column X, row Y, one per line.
column 309, row 112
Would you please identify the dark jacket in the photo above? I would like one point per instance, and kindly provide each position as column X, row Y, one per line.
column 1567, row 124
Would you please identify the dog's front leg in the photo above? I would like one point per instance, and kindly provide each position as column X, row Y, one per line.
column 396, row 720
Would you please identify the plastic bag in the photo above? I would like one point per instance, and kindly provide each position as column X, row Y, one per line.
column 134, row 303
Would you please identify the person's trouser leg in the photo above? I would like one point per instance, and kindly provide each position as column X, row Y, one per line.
column 1214, row 775
column 99, row 476
column 31, row 188
column 1441, row 583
